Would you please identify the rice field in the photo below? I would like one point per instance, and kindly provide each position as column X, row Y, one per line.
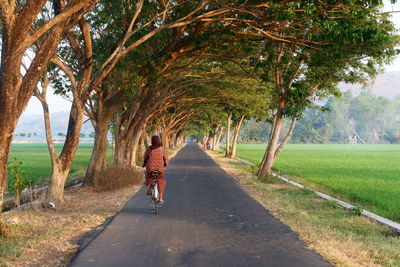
column 365, row 175
column 36, row 160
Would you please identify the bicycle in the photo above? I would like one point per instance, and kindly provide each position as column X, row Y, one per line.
column 155, row 196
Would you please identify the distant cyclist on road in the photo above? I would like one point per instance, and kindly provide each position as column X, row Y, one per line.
column 155, row 159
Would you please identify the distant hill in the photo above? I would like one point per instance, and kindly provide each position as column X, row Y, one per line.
column 34, row 125
column 386, row 84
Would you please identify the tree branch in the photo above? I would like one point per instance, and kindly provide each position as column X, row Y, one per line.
column 128, row 34
column 27, row 15
column 69, row 73
column 286, row 139
column 5, row 12
column 66, row 14
column 88, row 57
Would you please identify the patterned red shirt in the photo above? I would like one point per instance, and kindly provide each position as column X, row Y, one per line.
column 155, row 159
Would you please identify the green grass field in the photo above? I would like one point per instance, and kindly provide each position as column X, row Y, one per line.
column 36, row 160
column 366, row 175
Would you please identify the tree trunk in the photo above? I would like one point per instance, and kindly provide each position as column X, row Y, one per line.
column 55, row 162
column 98, row 160
column 210, row 140
column 134, row 144
column 142, row 147
column 59, row 172
column 121, row 144
column 236, row 136
column 181, row 140
column 127, row 140
column 286, row 139
column 129, row 152
column 217, row 138
column 268, row 160
column 178, row 139
column 272, row 130
column 165, row 139
column 59, row 175
column 184, row 139
column 147, row 139
column 205, row 138
column 15, row 91
column 155, row 130
column 214, row 140
column 171, row 141
column 7, row 124
column 218, row 141
column 10, row 104
column 62, row 168
column 228, row 129
column 121, row 152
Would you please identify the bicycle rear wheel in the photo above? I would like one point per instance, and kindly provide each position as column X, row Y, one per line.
column 155, row 197
column 155, row 206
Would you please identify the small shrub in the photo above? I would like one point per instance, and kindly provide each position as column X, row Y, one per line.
column 20, row 179
column 5, row 229
column 114, row 177
column 356, row 211
column 254, row 168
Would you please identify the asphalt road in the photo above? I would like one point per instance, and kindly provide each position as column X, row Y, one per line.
column 207, row 220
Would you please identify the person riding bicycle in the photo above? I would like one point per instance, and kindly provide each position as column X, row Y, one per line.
column 155, row 159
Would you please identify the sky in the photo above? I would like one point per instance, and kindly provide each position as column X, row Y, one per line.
column 57, row 103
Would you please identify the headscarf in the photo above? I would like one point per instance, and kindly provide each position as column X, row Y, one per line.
column 155, row 142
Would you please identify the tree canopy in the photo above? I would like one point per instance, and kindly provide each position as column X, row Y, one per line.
column 172, row 68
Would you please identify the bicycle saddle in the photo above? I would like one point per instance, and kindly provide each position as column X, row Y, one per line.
column 155, row 173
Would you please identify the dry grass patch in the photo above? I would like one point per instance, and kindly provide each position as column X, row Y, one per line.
column 114, row 177
column 338, row 235
column 5, row 229
column 50, row 237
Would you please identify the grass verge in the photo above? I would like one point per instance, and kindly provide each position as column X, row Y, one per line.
column 340, row 236
column 364, row 175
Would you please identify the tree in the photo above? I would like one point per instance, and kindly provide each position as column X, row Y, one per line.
column 314, row 127
column 254, row 131
column 112, row 44
column 156, row 47
column 367, row 117
column 23, row 25
column 245, row 97
column 301, row 74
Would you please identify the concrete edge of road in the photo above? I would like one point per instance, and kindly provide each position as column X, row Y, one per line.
column 9, row 203
column 379, row 219
column 90, row 236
